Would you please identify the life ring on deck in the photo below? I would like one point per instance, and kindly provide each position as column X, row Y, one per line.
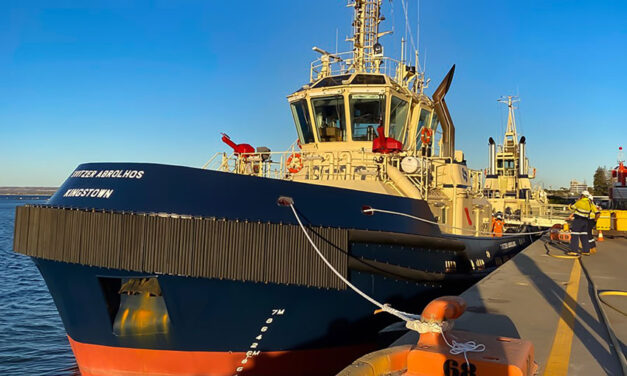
column 425, row 135
column 294, row 163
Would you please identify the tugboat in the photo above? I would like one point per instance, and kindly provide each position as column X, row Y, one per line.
column 508, row 178
column 159, row 269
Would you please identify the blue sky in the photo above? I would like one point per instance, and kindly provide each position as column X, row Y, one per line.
column 157, row 81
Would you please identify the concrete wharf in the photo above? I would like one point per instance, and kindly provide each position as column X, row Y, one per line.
column 551, row 302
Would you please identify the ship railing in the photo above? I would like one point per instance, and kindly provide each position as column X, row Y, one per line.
column 548, row 213
column 343, row 63
column 316, row 165
column 263, row 164
column 556, row 211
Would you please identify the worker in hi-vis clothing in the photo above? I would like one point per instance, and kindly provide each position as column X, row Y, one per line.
column 497, row 225
column 579, row 229
column 592, row 222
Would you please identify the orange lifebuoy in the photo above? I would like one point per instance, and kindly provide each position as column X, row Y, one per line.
column 294, row 163
column 425, row 135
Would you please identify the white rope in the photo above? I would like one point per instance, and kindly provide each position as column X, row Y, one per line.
column 441, row 327
column 373, row 210
column 464, row 347
column 384, row 307
column 412, row 321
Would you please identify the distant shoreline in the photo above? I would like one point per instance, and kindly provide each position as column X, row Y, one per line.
column 27, row 191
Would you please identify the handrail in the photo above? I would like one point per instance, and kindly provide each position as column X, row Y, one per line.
column 332, row 165
column 345, row 165
column 342, row 63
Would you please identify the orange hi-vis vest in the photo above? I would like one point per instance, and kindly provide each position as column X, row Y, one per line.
column 497, row 227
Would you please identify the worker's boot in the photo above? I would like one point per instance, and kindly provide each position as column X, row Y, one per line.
column 593, row 250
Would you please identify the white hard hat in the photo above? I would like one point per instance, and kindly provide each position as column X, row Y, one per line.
column 586, row 194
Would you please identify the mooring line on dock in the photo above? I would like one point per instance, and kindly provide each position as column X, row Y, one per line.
column 558, row 360
column 598, row 301
column 614, row 342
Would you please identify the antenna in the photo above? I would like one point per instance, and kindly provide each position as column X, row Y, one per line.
column 417, row 31
column 366, row 34
column 511, row 120
column 407, row 25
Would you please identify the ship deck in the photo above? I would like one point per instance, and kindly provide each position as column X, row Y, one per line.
column 534, row 295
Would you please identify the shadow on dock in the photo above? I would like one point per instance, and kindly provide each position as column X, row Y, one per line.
column 583, row 325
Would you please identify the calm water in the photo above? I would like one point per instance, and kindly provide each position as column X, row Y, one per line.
column 32, row 338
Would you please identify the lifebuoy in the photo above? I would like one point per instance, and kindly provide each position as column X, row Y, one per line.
column 294, row 163
column 425, row 135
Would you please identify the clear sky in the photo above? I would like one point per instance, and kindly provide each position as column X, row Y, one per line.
column 158, row 81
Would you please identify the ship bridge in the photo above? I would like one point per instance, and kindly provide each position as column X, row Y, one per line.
column 349, row 111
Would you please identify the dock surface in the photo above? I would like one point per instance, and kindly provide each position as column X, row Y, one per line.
column 550, row 302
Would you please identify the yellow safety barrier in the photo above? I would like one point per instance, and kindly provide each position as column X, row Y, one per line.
column 612, row 220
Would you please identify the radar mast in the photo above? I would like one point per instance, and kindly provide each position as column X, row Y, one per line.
column 511, row 137
column 367, row 51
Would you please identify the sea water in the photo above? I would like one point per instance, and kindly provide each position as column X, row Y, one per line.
column 32, row 337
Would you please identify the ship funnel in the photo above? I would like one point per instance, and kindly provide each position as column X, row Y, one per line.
column 522, row 160
column 448, row 129
column 492, row 158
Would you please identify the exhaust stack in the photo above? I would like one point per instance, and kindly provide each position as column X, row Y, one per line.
column 492, row 158
column 522, row 161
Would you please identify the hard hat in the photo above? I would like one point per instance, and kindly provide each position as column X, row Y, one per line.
column 586, row 194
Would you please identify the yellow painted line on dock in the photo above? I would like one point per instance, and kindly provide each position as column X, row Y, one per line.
column 557, row 363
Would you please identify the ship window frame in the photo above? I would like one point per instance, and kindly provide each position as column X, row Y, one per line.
column 341, row 118
column 311, row 137
column 403, row 128
column 437, row 134
column 376, row 79
column 382, row 98
column 426, row 123
column 332, row 81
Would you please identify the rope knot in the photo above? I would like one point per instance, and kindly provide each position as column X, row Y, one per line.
column 422, row 326
column 465, row 347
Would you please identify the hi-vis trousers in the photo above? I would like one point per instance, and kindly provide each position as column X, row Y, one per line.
column 579, row 231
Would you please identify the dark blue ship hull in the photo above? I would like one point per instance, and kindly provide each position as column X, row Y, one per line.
column 230, row 327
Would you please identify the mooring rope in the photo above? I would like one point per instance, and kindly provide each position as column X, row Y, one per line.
column 412, row 321
column 407, row 317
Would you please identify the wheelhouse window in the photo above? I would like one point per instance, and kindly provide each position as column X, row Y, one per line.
column 300, row 111
column 368, row 79
column 329, row 116
column 437, row 135
column 332, row 81
column 398, row 118
column 423, row 121
column 367, row 112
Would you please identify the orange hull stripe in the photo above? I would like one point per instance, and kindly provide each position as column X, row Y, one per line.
column 98, row 360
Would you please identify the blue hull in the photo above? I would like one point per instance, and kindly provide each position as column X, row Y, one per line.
column 213, row 315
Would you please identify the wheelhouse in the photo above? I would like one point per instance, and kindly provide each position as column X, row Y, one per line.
column 346, row 112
